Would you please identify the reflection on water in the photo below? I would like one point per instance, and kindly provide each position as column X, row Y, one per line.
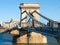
column 7, row 39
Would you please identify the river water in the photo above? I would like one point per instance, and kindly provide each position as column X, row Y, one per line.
column 6, row 39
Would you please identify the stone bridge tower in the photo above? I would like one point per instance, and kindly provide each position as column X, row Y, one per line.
column 29, row 7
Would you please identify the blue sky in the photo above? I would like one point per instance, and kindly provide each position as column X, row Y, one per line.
column 10, row 9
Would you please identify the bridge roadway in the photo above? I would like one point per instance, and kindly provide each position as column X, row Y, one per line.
column 54, row 32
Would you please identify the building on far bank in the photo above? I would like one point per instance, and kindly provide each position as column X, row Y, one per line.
column 54, row 24
column 58, row 23
column 11, row 24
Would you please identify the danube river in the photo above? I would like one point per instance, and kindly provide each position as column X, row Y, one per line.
column 6, row 39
